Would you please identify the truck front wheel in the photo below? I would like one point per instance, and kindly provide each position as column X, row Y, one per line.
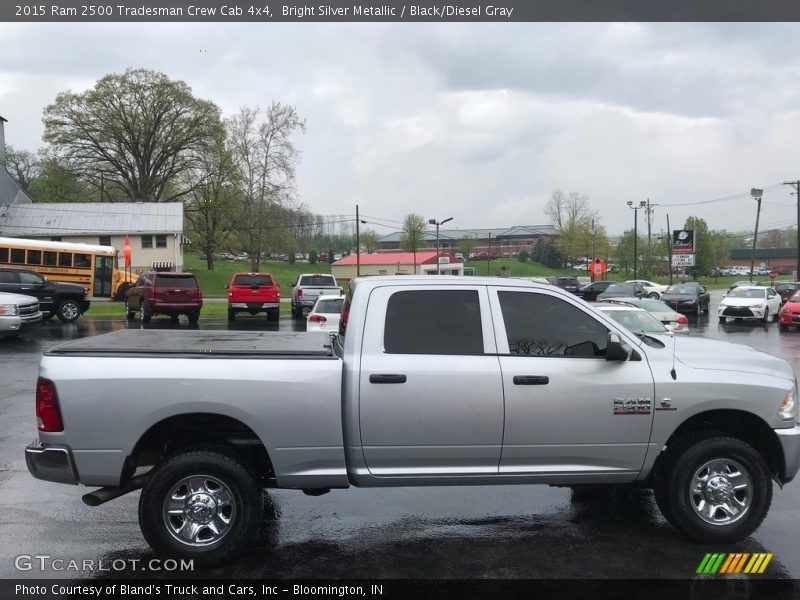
column 716, row 489
column 201, row 504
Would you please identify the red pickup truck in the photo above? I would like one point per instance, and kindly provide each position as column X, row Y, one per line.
column 253, row 293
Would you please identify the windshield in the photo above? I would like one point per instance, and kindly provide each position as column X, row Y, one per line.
column 747, row 293
column 333, row 306
column 682, row 288
column 251, row 280
column 317, row 280
column 652, row 305
column 621, row 288
column 637, row 321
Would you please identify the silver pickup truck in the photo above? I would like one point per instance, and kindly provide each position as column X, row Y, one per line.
column 430, row 381
column 309, row 287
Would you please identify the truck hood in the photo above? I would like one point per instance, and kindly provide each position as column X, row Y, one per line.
column 69, row 288
column 699, row 353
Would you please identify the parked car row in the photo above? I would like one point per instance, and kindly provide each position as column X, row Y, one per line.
column 67, row 301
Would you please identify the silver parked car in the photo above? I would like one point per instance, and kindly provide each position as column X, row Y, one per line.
column 17, row 311
column 671, row 319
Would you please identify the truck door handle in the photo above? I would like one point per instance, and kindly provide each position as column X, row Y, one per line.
column 531, row 380
column 387, row 378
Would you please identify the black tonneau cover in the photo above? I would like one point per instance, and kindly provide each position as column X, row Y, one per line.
column 238, row 344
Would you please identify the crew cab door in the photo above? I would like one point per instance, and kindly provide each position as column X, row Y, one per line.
column 431, row 400
column 568, row 411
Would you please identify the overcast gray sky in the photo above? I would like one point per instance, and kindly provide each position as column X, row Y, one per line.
column 480, row 122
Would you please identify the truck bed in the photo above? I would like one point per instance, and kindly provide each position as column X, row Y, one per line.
column 212, row 344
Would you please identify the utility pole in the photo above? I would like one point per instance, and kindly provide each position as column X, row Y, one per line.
column 649, row 212
column 489, row 254
column 635, row 209
column 755, row 193
column 796, row 186
column 669, row 248
column 358, row 247
column 593, row 256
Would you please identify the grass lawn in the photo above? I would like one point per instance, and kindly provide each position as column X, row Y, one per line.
column 210, row 309
column 212, row 282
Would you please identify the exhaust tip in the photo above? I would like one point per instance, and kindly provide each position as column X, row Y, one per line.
column 91, row 500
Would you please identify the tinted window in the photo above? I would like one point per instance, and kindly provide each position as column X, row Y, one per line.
column 317, row 280
column 3, row 255
column 65, row 259
column 541, row 325
column 183, row 282
column 34, row 257
column 18, row 256
column 7, row 277
column 637, row 321
column 433, row 322
column 49, row 258
column 161, row 241
column 147, row 241
column 330, row 306
column 82, row 260
column 252, row 280
column 33, row 278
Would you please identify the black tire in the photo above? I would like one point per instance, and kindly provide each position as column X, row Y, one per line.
column 653, row 295
column 193, row 317
column 297, row 312
column 129, row 314
column 684, row 459
column 722, row 319
column 48, row 316
column 231, row 314
column 273, row 314
column 238, row 518
column 122, row 290
column 765, row 318
column 174, row 318
column 144, row 312
column 68, row 311
column 782, row 327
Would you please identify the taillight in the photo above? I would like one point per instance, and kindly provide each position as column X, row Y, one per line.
column 47, row 411
column 683, row 320
column 299, row 293
column 341, row 292
column 317, row 319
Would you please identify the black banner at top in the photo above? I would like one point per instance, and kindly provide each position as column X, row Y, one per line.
column 683, row 241
column 397, row 10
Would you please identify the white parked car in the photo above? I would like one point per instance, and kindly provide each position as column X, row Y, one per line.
column 325, row 314
column 749, row 302
column 635, row 320
column 672, row 320
column 654, row 290
column 17, row 311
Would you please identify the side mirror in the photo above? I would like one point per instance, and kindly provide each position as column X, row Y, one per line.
column 615, row 351
column 290, row 284
column 225, row 286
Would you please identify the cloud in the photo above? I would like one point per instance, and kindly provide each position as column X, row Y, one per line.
column 479, row 122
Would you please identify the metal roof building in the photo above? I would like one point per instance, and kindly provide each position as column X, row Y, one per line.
column 90, row 218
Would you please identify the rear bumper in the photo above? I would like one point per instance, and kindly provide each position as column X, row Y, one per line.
column 51, row 463
column 790, row 444
column 254, row 305
column 178, row 307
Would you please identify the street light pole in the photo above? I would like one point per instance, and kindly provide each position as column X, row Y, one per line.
column 635, row 209
column 437, row 223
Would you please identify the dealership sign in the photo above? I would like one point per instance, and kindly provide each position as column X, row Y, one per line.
column 683, row 241
column 683, row 260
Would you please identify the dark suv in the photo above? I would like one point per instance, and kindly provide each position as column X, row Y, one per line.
column 170, row 294
column 571, row 284
column 67, row 301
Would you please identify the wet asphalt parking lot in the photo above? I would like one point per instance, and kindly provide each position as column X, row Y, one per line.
column 446, row 532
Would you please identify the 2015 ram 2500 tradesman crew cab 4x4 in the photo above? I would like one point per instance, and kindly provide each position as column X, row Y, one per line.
column 431, row 381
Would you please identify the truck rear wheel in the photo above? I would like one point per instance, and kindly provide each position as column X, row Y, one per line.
column 273, row 314
column 203, row 504
column 714, row 488
column 231, row 314
column 145, row 313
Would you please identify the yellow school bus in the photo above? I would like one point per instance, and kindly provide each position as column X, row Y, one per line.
column 94, row 267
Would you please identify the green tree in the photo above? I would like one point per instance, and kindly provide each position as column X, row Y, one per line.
column 23, row 165
column 720, row 243
column 312, row 257
column 623, row 255
column 212, row 206
column 703, row 254
column 369, row 240
column 57, row 182
column 413, row 236
column 572, row 217
column 132, row 134
column 466, row 245
column 523, row 256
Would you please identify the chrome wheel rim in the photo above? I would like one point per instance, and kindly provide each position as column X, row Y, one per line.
column 721, row 492
column 69, row 311
column 199, row 510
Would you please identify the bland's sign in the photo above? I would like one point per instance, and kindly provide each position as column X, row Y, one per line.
column 683, row 241
column 683, row 260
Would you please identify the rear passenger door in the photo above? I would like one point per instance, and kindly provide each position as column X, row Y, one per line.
column 431, row 400
column 568, row 411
